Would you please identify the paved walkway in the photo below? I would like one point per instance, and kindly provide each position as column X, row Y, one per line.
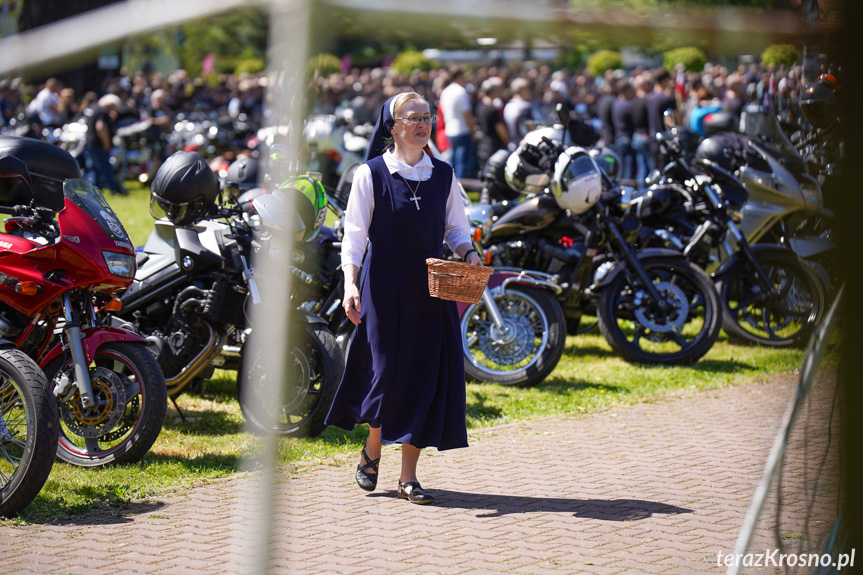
column 653, row 488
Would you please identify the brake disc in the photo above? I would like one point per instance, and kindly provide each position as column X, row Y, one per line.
column 97, row 421
column 673, row 318
column 512, row 346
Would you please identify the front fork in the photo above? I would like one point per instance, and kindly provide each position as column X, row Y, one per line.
column 532, row 278
column 72, row 331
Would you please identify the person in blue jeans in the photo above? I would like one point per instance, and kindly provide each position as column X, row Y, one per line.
column 100, row 133
column 459, row 125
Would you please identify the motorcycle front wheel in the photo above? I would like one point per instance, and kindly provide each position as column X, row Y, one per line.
column 28, row 431
column 315, row 366
column 131, row 401
column 785, row 314
column 641, row 330
column 528, row 345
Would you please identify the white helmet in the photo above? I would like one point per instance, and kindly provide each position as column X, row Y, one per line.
column 577, row 182
column 523, row 171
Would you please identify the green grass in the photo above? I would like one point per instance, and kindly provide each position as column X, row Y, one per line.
column 134, row 211
column 210, row 443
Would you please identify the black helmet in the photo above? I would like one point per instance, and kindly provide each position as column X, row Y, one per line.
column 494, row 176
column 183, row 188
column 728, row 149
column 242, row 176
column 818, row 101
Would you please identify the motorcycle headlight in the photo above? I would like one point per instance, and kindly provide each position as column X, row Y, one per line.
column 122, row 265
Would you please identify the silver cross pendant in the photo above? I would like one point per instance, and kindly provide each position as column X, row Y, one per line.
column 416, row 200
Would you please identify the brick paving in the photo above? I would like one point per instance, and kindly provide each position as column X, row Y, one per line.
column 658, row 487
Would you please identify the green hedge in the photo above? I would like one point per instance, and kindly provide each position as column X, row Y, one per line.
column 780, row 55
column 599, row 62
column 692, row 58
column 406, row 62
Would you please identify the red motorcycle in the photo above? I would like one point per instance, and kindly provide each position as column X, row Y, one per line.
column 63, row 258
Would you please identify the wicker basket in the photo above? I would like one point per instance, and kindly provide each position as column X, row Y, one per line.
column 457, row 281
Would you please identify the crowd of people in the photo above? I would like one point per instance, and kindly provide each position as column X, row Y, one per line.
column 492, row 107
column 479, row 109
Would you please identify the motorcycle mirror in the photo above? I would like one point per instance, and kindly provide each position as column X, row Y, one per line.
column 668, row 118
column 563, row 113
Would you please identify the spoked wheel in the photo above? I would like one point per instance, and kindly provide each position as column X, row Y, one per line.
column 528, row 345
column 28, row 431
column 314, row 370
column 784, row 314
column 131, row 400
column 680, row 330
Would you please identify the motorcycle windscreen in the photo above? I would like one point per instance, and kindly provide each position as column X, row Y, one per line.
column 87, row 197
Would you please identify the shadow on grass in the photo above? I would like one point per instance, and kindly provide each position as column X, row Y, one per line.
column 102, row 508
column 493, row 505
column 559, row 385
column 584, row 351
column 204, row 422
column 478, row 408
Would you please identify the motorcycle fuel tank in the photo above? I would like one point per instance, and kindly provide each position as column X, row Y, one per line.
column 531, row 214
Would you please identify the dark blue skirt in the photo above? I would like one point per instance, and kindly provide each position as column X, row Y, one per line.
column 404, row 370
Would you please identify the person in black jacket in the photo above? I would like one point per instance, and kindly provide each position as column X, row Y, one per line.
column 657, row 102
column 621, row 117
column 101, row 127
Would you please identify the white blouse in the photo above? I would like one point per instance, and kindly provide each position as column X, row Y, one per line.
column 361, row 206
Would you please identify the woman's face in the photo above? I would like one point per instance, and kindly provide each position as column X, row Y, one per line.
column 414, row 134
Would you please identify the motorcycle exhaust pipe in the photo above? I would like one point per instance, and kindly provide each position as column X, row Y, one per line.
column 214, row 345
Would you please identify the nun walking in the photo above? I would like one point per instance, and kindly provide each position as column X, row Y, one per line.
column 404, row 373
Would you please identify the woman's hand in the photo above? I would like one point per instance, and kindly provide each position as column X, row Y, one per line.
column 352, row 303
column 474, row 259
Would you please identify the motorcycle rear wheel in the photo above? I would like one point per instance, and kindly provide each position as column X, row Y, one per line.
column 640, row 333
column 315, row 369
column 527, row 350
column 131, row 403
column 786, row 316
column 28, row 431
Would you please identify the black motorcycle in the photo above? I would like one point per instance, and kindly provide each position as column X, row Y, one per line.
column 195, row 293
column 653, row 306
column 770, row 297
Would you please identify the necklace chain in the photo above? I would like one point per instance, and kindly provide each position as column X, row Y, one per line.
column 414, row 197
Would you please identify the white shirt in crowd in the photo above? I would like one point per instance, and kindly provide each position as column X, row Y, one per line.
column 454, row 102
column 42, row 104
column 361, row 206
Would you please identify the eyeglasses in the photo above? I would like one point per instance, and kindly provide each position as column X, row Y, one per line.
column 414, row 120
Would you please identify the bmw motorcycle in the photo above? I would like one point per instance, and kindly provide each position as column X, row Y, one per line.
column 63, row 259
column 193, row 298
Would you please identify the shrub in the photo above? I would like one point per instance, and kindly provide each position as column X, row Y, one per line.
column 406, row 62
column 324, row 64
column 780, row 55
column 599, row 62
column 249, row 66
column 693, row 59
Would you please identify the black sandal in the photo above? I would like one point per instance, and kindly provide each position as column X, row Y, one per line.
column 367, row 481
column 413, row 492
